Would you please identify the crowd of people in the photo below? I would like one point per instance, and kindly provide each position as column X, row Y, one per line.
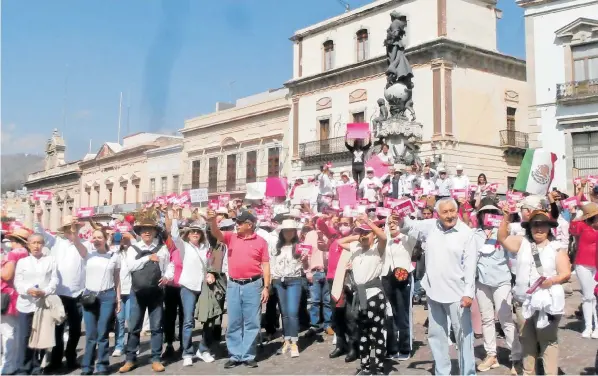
column 349, row 273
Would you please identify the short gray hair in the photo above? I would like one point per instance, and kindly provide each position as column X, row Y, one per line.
column 445, row 200
column 36, row 235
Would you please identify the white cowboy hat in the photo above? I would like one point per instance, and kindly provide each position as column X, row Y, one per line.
column 289, row 224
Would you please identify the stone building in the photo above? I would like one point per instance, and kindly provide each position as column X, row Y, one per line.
column 470, row 98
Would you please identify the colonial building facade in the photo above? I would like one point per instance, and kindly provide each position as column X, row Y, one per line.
column 562, row 72
column 237, row 144
column 470, row 98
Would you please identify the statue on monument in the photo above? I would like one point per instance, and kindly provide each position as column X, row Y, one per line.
column 392, row 126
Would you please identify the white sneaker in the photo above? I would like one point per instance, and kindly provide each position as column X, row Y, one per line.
column 205, row 356
column 187, row 362
column 117, row 353
column 587, row 333
column 595, row 333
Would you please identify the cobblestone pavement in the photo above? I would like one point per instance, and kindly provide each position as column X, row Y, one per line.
column 576, row 354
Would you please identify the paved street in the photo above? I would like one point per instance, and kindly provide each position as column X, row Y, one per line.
column 576, row 357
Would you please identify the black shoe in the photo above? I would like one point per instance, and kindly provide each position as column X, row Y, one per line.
column 168, row 352
column 88, row 373
column 251, row 363
column 351, row 356
column 103, row 373
column 231, row 364
column 336, row 353
column 52, row 368
column 72, row 365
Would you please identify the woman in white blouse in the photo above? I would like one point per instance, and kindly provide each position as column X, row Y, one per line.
column 193, row 247
column 100, row 299
column 286, row 265
column 35, row 278
column 120, row 244
column 542, row 266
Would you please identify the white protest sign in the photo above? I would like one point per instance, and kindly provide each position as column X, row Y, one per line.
column 199, row 195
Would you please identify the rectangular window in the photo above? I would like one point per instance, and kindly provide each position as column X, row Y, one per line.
column 164, row 185
column 328, row 55
column 251, row 168
column 231, row 172
column 213, row 174
column 511, row 181
column 124, row 194
column 511, row 118
column 137, row 193
column 362, row 45
column 195, row 174
column 324, row 129
column 585, row 61
column 175, row 184
column 153, row 186
column 359, row 117
column 273, row 162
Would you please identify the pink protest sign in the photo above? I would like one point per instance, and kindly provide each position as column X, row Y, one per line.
column 383, row 212
column 379, row 167
column 421, row 203
column 124, row 227
column 593, row 179
column 224, row 199
column 418, row 192
column 346, row 195
column 213, row 205
column 85, row 212
column 458, row 193
column 276, row 187
column 473, row 187
column 184, row 198
column 492, row 187
column 358, row 131
column 304, row 249
column 492, row 220
column 404, row 207
column 42, row 195
column 569, row 202
column 433, row 192
column 514, row 196
column 390, row 202
column 268, row 201
column 172, row 198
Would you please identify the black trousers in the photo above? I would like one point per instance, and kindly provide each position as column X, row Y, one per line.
column 345, row 324
column 399, row 327
column 372, row 329
column 28, row 360
column 74, row 315
column 173, row 306
column 271, row 318
column 358, row 174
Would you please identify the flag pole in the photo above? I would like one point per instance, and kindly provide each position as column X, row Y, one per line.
column 120, row 106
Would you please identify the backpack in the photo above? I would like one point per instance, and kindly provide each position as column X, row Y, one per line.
column 148, row 277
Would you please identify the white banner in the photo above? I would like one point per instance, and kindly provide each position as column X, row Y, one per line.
column 199, row 195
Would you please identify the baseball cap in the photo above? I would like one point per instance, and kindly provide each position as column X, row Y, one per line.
column 245, row 216
column 459, row 168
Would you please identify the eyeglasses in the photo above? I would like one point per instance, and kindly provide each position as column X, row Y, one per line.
column 195, row 231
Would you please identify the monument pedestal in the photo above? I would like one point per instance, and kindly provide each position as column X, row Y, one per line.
column 403, row 136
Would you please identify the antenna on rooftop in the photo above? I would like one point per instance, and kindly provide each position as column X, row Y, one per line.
column 345, row 5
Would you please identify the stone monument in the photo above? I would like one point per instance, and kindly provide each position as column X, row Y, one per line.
column 396, row 125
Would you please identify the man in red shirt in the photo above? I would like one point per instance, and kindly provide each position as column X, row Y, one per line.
column 247, row 288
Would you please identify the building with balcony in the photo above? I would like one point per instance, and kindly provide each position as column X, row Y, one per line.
column 114, row 179
column 562, row 72
column 60, row 178
column 164, row 166
column 467, row 94
column 237, row 144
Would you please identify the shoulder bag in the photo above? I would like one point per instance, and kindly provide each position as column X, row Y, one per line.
column 89, row 299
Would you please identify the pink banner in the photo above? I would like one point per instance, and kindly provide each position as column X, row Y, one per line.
column 223, row 200
column 404, row 207
column 391, row 202
column 458, row 193
column 421, row 203
column 304, row 249
column 383, row 212
column 417, row 192
column 346, row 195
column 85, row 212
column 184, row 198
column 269, row 201
column 276, row 187
column 514, row 196
column 569, row 202
column 379, row 167
column 492, row 220
column 213, row 205
column 473, row 187
column 42, row 195
column 358, row 131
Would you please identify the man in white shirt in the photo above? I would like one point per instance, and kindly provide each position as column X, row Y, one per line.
column 427, row 182
column 443, row 183
column 147, row 260
column 71, row 276
column 451, row 259
column 370, row 185
column 407, row 180
column 460, row 181
column 326, row 188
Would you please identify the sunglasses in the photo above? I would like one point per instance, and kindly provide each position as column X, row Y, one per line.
column 195, row 231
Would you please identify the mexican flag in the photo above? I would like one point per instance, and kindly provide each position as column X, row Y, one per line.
column 536, row 172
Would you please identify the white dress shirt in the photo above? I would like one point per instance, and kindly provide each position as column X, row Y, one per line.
column 444, row 186
column 194, row 259
column 451, row 259
column 427, row 185
column 460, row 182
column 326, row 187
column 366, row 265
column 70, row 265
column 407, row 185
column 125, row 273
column 370, row 188
column 137, row 264
column 398, row 254
column 32, row 272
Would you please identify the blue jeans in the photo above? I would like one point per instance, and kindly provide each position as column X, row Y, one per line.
column 152, row 301
column 289, row 296
column 320, row 300
column 122, row 317
column 97, row 325
column 29, row 360
column 189, row 299
column 438, row 335
column 244, row 314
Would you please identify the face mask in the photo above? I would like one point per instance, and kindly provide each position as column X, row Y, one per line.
column 344, row 230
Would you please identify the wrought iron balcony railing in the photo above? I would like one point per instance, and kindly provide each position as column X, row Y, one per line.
column 324, row 150
column 514, row 139
column 575, row 91
column 224, row 186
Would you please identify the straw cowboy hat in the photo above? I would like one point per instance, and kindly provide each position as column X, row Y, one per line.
column 19, row 234
column 539, row 216
column 197, row 225
column 147, row 218
column 68, row 221
column 589, row 210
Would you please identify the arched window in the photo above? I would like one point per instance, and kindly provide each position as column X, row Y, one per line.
column 328, row 55
column 362, row 45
